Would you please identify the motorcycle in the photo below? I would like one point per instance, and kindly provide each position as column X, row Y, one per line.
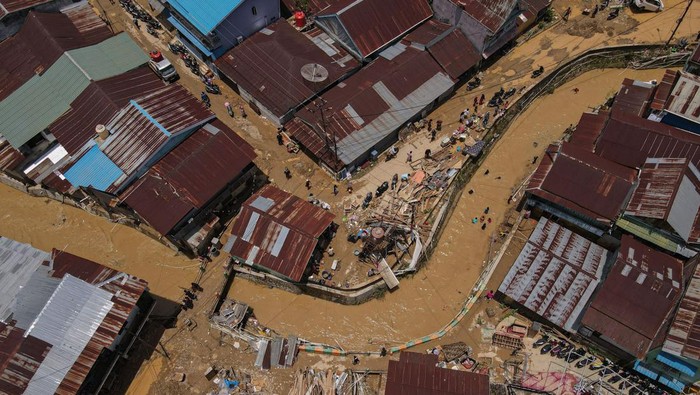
column 176, row 48
column 229, row 109
column 381, row 189
column 597, row 365
column 151, row 31
column 575, row 354
column 205, row 99
column 212, row 88
column 605, row 371
column 541, row 341
column 613, row 14
column 495, row 101
column 242, row 110
column 391, row 154
column 585, row 362
column 473, row 84
column 537, row 72
column 510, row 92
column 547, row 348
column 614, row 379
column 368, row 199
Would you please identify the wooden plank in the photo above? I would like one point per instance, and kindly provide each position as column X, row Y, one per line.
column 388, row 276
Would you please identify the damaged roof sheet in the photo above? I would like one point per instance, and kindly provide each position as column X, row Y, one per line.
column 634, row 97
column 492, row 14
column 369, row 25
column 683, row 338
column 274, row 76
column 637, row 299
column 56, row 353
column 189, row 176
column 583, row 182
column 555, row 274
column 278, row 231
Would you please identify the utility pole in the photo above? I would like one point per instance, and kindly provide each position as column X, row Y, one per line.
column 678, row 23
column 320, row 105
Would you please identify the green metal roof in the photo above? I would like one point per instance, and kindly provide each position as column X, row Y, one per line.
column 113, row 56
column 39, row 102
column 648, row 234
column 36, row 104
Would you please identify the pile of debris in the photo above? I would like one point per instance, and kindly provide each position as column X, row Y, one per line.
column 228, row 381
column 329, row 382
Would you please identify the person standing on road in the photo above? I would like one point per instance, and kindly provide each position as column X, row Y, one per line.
column 409, row 157
column 308, row 184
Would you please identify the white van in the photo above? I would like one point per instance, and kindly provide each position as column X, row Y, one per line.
column 649, row 5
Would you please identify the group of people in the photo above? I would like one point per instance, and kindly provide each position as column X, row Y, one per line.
column 483, row 219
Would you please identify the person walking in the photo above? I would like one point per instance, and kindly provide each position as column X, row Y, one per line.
column 308, row 184
column 409, row 157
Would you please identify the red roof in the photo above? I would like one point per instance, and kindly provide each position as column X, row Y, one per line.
column 683, row 338
column 582, row 181
column 189, row 176
column 492, row 14
column 18, row 5
column 98, row 103
column 629, row 140
column 39, row 43
column 278, row 231
column 268, row 65
column 447, row 44
column 637, row 299
column 373, row 24
column 9, row 156
column 663, row 90
column 416, row 374
column 589, row 127
column 659, row 180
column 634, row 97
column 312, row 6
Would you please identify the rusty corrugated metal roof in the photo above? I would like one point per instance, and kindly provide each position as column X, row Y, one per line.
column 273, row 76
column 99, row 103
column 18, row 5
column 633, row 97
column 684, row 98
column 417, row 374
column 189, row 176
column 22, row 355
column 455, row 53
column 492, row 14
column 9, row 156
column 372, row 24
column 141, row 128
column 555, row 274
column 629, row 140
column 659, row 180
column 683, row 337
column 278, row 231
column 448, row 46
column 85, row 19
column 372, row 103
column 663, row 90
column 637, row 299
column 582, row 181
column 589, row 127
column 312, row 6
column 39, row 43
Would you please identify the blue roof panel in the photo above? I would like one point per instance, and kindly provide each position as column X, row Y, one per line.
column 94, row 169
column 677, row 363
column 205, row 15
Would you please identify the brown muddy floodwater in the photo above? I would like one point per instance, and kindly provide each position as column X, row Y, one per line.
column 47, row 224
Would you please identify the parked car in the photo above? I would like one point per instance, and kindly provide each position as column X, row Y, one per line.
column 649, row 5
column 164, row 69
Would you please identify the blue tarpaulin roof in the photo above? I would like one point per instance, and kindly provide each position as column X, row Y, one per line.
column 94, row 169
column 672, row 383
column 183, row 30
column 205, row 15
column 677, row 363
column 639, row 367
